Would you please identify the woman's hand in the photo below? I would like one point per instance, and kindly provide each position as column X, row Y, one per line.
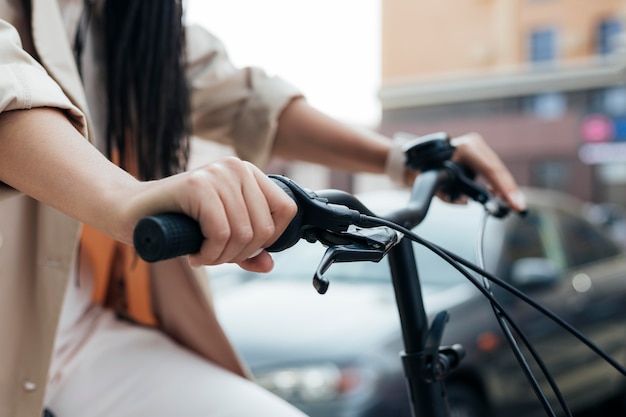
column 473, row 151
column 240, row 211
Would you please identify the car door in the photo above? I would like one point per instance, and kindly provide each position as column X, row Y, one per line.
column 595, row 269
column 533, row 237
column 585, row 293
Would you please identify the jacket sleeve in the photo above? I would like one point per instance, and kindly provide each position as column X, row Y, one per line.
column 25, row 84
column 234, row 106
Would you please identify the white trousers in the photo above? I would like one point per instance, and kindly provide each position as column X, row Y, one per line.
column 122, row 370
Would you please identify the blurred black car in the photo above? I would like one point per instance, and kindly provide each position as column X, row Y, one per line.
column 610, row 217
column 337, row 355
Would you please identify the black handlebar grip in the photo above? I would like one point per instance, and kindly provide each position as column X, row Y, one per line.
column 169, row 235
column 166, row 236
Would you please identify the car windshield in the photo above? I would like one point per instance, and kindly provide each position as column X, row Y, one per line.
column 451, row 227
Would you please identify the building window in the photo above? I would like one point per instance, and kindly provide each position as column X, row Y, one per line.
column 606, row 35
column 546, row 106
column 553, row 174
column 542, row 46
column 614, row 102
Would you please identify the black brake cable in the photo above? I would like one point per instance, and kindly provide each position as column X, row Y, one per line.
column 435, row 249
column 508, row 287
column 455, row 261
column 505, row 285
column 507, row 331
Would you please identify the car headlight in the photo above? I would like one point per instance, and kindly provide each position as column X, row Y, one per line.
column 312, row 383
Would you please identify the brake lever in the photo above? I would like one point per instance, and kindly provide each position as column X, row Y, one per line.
column 371, row 244
column 314, row 214
column 464, row 184
column 435, row 151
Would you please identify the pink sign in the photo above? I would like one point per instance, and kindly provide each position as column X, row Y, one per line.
column 597, row 128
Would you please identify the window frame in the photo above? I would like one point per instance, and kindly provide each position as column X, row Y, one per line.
column 532, row 45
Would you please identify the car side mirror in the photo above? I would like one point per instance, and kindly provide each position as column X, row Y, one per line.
column 532, row 273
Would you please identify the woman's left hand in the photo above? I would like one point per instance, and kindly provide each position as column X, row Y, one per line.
column 473, row 151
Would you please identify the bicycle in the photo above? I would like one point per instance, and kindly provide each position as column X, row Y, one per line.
column 353, row 233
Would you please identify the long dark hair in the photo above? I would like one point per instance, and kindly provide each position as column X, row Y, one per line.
column 148, row 95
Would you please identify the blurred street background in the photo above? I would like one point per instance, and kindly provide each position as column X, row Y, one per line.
column 544, row 81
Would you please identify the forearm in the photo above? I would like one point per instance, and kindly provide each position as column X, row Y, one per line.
column 240, row 210
column 42, row 155
column 306, row 134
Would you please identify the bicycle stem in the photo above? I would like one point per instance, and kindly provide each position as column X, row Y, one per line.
column 427, row 395
column 428, row 398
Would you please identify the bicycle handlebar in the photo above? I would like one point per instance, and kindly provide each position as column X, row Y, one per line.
column 169, row 235
column 324, row 216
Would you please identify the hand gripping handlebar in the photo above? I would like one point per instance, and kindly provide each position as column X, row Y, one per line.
column 169, row 235
column 324, row 216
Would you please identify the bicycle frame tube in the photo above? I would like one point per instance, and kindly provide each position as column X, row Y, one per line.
column 428, row 399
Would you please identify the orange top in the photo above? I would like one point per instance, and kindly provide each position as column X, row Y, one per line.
column 122, row 279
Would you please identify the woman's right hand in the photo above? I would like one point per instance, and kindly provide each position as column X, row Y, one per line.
column 240, row 211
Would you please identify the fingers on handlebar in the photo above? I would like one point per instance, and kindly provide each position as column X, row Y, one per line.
column 240, row 211
column 472, row 150
column 282, row 208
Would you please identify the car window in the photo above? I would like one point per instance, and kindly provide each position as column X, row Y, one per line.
column 583, row 243
column 531, row 236
column 524, row 239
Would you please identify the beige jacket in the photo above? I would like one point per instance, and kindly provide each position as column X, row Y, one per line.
column 38, row 243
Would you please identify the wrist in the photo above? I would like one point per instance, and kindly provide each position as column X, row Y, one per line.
column 124, row 205
column 395, row 164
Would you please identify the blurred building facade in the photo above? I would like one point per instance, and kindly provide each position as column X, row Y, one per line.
column 543, row 80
